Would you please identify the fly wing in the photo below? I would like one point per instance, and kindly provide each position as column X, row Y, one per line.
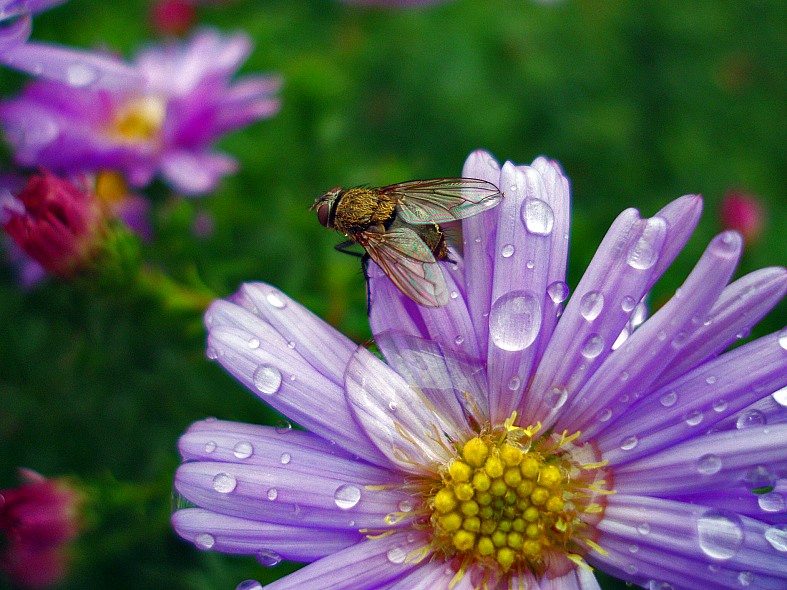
column 409, row 263
column 441, row 200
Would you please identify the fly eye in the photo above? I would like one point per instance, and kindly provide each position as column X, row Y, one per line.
column 324, row 214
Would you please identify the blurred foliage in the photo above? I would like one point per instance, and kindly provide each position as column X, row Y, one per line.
column 640, row 101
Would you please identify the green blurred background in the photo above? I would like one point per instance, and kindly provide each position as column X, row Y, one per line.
column 640, row 101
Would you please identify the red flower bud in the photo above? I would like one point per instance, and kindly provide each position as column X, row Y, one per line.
column 172, row 17
column 743, row 212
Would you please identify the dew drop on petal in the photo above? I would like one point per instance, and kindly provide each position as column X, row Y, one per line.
column 507, row 251
column 633, row 548
column 392, row 405
column 556, row 397
column 514, row 383
column 783, row 338
column 643, row 528
column 780, row 397
column 249, row 585
column 629, row 443
column 771, row 502
column 347, row 496
column 80, row 75
column 591, row 304
column 694, row 418
column 628, row 303
column 204, row 541
column 668, row 399
column 267, row 379
column 604, row 415
column 709, row 464
column 777, row 537
column 243, row 450
column 212, row 353
column 273, row 493
column 285, row 458
column 396, row 555
column 538, row 217
column 405, row 506
column 224, row 483
column 515, row 320
column 749, row 419
column 630, row 569
column 759, row 480
column 645, row 251
column 593, row 347
column 710, row 379
column 283, row 427
column 659, row 585
column 459, row 340
column 745, row 578
column 210, row 446
column 254, row 343
column 719, row 405
column 276, row 300
column 267, row 557
column 720, row 534
column 558, row 291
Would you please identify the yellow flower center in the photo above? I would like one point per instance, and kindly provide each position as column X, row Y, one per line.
column 139, row 119
column 509, row 501
column 111, row 187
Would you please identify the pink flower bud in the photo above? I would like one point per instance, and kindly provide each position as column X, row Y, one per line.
column 743, row 212
column 172, row 17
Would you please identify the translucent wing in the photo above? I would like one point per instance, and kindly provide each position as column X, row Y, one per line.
column 409, row 263
column 441, row 200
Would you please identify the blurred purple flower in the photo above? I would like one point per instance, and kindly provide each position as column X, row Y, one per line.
column 507, row 442
column 167, row 126
column 71, row 66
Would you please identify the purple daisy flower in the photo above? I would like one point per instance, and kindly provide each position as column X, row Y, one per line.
column 167, row 125
column 514, row 438
column 71, row 66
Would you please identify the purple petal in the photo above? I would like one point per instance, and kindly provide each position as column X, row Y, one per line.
column 230, row 534
column 374, row 563
column 696, row 401
column 681, row 216
column 14, row 35
column 432, row 575
column 195, row 173
column 578, row 579
column 766, row 506
column 397, row 418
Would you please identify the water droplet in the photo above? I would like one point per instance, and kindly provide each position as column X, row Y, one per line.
column 645, row 251
column 745, row 578
column 454, row 295
column 659, row 585
column 662, row 335
column 267, row 557
column 720, row 405
column 514, row 383
column 633, row 548
column 224, row 483
column 783, row 338
column 396, row 555
column 507, row 251
column 459, row 340
column 780, row 397
column 291, row 345
column 285, row 458
column 80, row 75
column 204, row 541
column 558, row 291
column 591, row 304
column 243, row 450
column 538, row 217
column 249, row 585
column 212, row 353
column 283, row 427
column 267, row 379
column 630, row 569
column 628, row 303
column 530, row 263
column 643, row 528
column 210, row 446
column 668, row 399
column 254, row 343
column 694, row 418
column 605, row 415
column 594, row 346
column 347, row 496
column 749, row 419
column 777, row 537
column 680, row 339
column 759, row 479
column 771, row 502
column 392, row 406
column 709, row 464
column 710, row 379
column 556, row 397
column 405, row 506
column 273, row 493
column 720, row 534
column 275, row 299
column 629, row 443
column 514, row 320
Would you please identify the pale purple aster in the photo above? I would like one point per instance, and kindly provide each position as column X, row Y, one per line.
column 513, row 438
column 56, row 62
column 166, row 126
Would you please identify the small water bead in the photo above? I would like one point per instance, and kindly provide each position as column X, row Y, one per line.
column 530, row 263
column 212, row 353
column 694, row 418
column 405, row 506
column 629, row 443
column 556, row 397
column 285, row 458
column 558, row 291
column 745, row 578
column 224, row 483
column 680, row 339
column 276, row 300
column 459, row 340
column 659, row 585
column 710, row 379
column 749, row 419
column 80, row 75
column 243, row 450
column 594, row 346
column 709, row 464
column 291, row 345
column 645, row 251
column 392, row 405
column 507, row 251
column 273, row 493
column 771, row 502
column 538, row 217
column 347, row 496
column 267, row 557
column 759, row 480
column 643, row 528
column 720, row 534
column 628, row 303
column 777, row 537
column 267, row 379
column 210, row 446
column 720, row 405
column 630, row 569
column 514, row 383
column 204, row 541
column 249, row 585
column 604, row 415
column 454, row 295
column 254, row 343
column 662, row 335
column 283, row 427
column 396, row 555
column 515, row 320
column 633, row 548
column 591, row 304
column 668, row 399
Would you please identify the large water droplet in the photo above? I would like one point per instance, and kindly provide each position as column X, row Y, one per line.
column 556, row 397
column 243, row 450
column 709, row 464
column 629, row 443
column 204, row 541
column 594, row 346
column 777, row 537
column 668, row 399
column 558, row 291
column 507, row 251
column 224, row 483
column 783, row 338
column 276, row 300
column 759, row 479
column 80, row 75
column 267, row 379
column 538, row 217
column 749, row 419
column 210, row 446
column 720, row 534
column 249, row 585
column 267, row 557
column 514, row 320
column 719, row 405
column 591, row 304
column 254, row 343
column 694, row 417
column 604, row 415
column 645, row 251
column 396, row 555
column 771, row 502
column 347, row 496
column 780, row 397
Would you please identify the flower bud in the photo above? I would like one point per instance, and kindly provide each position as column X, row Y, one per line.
column 743, row 212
